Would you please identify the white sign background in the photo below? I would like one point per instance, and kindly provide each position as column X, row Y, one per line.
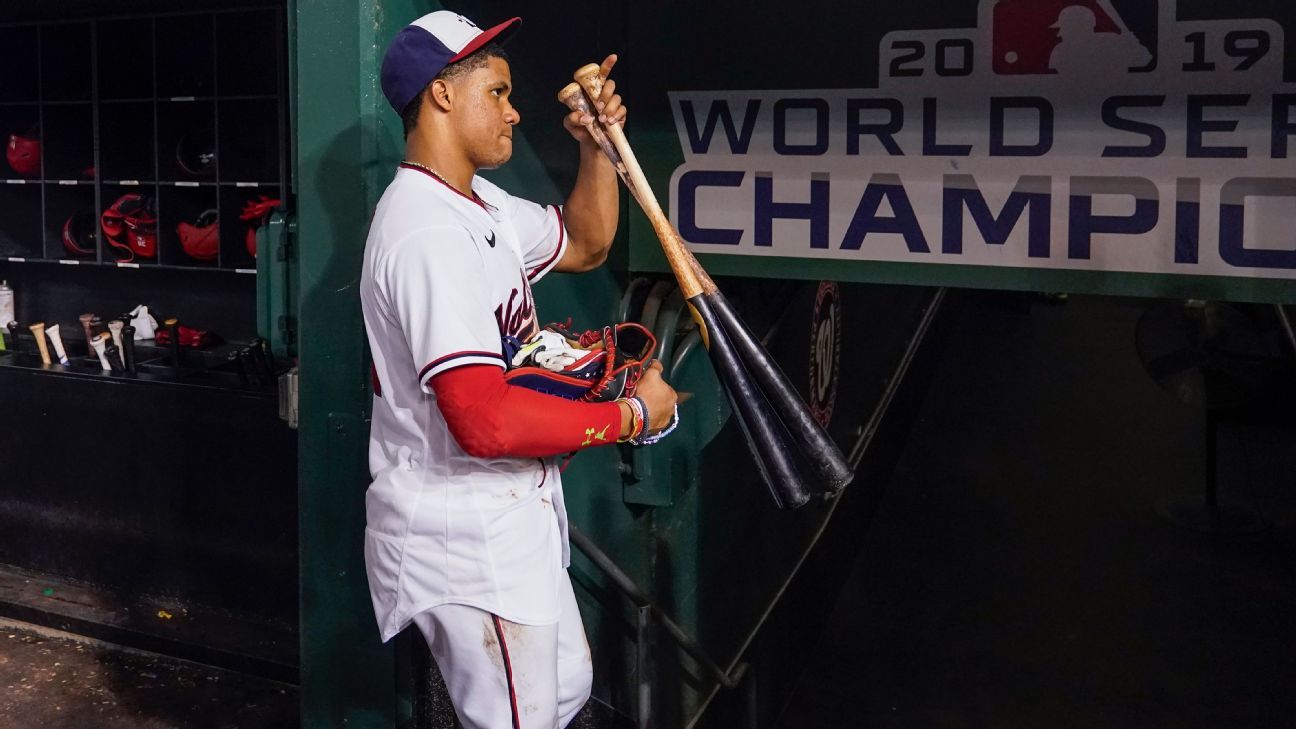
column 959, row 113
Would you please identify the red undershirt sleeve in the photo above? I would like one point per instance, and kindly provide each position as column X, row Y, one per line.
column 490, row 418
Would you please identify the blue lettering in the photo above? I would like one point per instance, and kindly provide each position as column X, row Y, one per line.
column 865, row 221
column 1187, row 220
column 1156, row 135
column 689, row 182
column 1044, row 112
column 1084, row 223
column 962, row 191
column 885, row 132
column 1232, row 238
column 1198, row 126
column 719, row 114
column 820, row 109
column 930, row 147
column 815, row 211
column 1283, row 126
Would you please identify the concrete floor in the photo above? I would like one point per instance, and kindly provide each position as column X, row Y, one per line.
column 54, row 680
column 1017, row 574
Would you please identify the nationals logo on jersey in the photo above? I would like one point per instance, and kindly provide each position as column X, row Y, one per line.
column 519, row 322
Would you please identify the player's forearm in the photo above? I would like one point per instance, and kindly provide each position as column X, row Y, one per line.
column 491, row 419
column 592, row 210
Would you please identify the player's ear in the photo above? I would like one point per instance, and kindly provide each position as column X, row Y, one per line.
column 440, row 94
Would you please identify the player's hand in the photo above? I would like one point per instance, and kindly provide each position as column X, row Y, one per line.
column 608, row 106
column 658, row 396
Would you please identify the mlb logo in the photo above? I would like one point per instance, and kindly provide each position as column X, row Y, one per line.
column 1074, row 36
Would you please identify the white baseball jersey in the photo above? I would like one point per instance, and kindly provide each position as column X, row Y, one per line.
column 445, row 277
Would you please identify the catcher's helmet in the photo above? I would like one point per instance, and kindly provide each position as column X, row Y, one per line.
column 201, row 238
column 24, row 154
column 130, row 227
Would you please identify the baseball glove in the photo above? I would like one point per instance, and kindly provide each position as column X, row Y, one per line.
column 594, row 366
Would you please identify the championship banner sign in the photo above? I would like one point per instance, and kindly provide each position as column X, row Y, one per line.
column 1097, row 136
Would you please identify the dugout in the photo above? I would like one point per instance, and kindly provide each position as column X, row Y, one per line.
column 850, row 191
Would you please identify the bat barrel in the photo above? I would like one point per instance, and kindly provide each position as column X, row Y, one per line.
column 824, row 458
column 776, row 458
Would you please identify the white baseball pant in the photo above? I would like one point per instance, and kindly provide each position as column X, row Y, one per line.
column 503, row 675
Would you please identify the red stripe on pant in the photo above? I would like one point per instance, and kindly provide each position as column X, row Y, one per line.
column 508, row 671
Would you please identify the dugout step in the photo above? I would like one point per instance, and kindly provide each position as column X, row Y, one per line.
column 60, row 680
column 169, row 626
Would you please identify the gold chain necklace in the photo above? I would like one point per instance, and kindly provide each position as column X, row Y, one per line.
column 430, row 171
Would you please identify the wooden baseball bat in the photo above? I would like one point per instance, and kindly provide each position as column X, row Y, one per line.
column 99, row 345
column 52, row 331
column 779, row 428
column 38, row 331
column 574, row 97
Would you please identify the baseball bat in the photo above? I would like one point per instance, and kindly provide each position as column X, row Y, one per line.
column 173, row 327
column 128, row 347
column 38, row 330
column 776, row 422
column 574, row 97
column 113, row 355
column 99, row 345
column 115, row 327
column 52, row 331
column 85, row 320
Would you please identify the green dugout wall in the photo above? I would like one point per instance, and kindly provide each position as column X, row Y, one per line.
column 688, row 522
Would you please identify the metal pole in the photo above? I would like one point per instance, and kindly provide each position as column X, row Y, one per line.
column 632, row 591
column 1286, row 325
column 643, row 667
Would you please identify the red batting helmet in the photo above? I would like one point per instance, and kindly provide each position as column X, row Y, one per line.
column 80, row 234
column 130, row 227
column 254, row 214
column 201, row 238
column 24, row 154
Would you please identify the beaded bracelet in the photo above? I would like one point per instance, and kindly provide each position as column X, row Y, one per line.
column 650, row 439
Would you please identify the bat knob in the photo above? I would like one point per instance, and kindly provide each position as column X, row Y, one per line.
column 589, row 69
column 569, row 91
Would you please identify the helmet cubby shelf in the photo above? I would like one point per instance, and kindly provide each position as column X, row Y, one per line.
column 175, row 123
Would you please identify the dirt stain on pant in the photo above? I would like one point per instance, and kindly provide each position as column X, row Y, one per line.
column 490, row 643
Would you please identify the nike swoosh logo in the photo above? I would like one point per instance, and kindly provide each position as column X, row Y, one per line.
column 491, row 240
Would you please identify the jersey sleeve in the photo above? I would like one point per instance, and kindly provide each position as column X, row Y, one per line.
column 541, row 235
column 436, row 289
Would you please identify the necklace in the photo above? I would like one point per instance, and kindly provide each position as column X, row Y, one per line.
column 430, row 171
column 444, row 181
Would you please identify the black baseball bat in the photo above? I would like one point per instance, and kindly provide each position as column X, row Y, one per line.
column 768, row 438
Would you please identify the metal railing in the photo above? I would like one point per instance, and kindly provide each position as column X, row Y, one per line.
column 647, row 608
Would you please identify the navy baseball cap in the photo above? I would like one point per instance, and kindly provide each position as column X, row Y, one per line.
column 422, row 48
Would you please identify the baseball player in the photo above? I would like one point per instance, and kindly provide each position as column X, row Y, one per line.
column 466, row 529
